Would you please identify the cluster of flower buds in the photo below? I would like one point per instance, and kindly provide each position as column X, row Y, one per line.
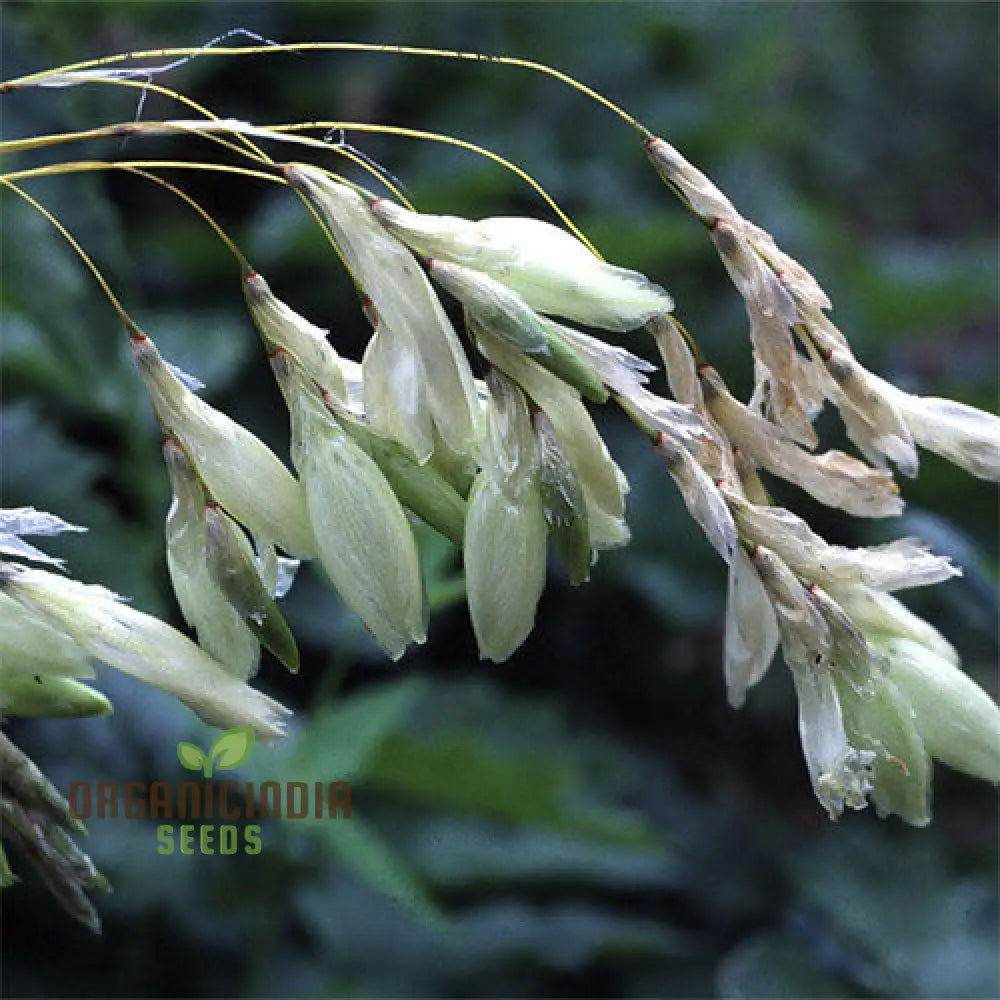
column 784, row 302
column 53, row 627
column 504, row 463
column 38, row 821
column 880, row 691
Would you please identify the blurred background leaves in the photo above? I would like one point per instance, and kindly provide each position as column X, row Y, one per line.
column 590, row 818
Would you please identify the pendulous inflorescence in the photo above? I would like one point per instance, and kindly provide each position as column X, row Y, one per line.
column 483, row 430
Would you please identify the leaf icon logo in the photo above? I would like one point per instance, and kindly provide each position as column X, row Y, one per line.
column 231, row 749
column 190, row 756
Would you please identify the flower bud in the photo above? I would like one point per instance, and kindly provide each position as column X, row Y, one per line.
column 221, row 631
column 504, row 565
column 281, row 326
column 505, row 529
column 879, row 721
column 697, row 191
column 504, row 315
column 841, row 775
column 873, row 421
column 752, row 635
column 144, row 647
column 422, row 489
column 957, row 719
column 408, row 313
column 962, row 434
column 239, row 470
column 701, row 496
column 882, row 617
column 552, row 270
column 599, row 476
column 365, row 542
column 50, row 697
column 30, row 646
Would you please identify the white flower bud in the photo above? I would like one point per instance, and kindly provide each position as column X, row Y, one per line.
column 873, row 421
column 881, row 617
column 700, row 194
column 30, row 646
column 240, row 471
column 599, row 476
column 841, row 775
column 552, row 270
column 220, row 627
column 959, row 722
column 752, row 635
column 880, row 722
column 504, row 315
column 233, row 568
column 281, row 326
column 804, row 288
column 563, row 501
column 505, row 529
column 805, row 637
column 678, row 361
column 617, row 368
column 365, row 542
column 410, row 320
column 144, row 647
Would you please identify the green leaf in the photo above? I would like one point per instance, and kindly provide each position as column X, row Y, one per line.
column 230, row 750
column 190, row 756
column 340, row 738
column 361, row 848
